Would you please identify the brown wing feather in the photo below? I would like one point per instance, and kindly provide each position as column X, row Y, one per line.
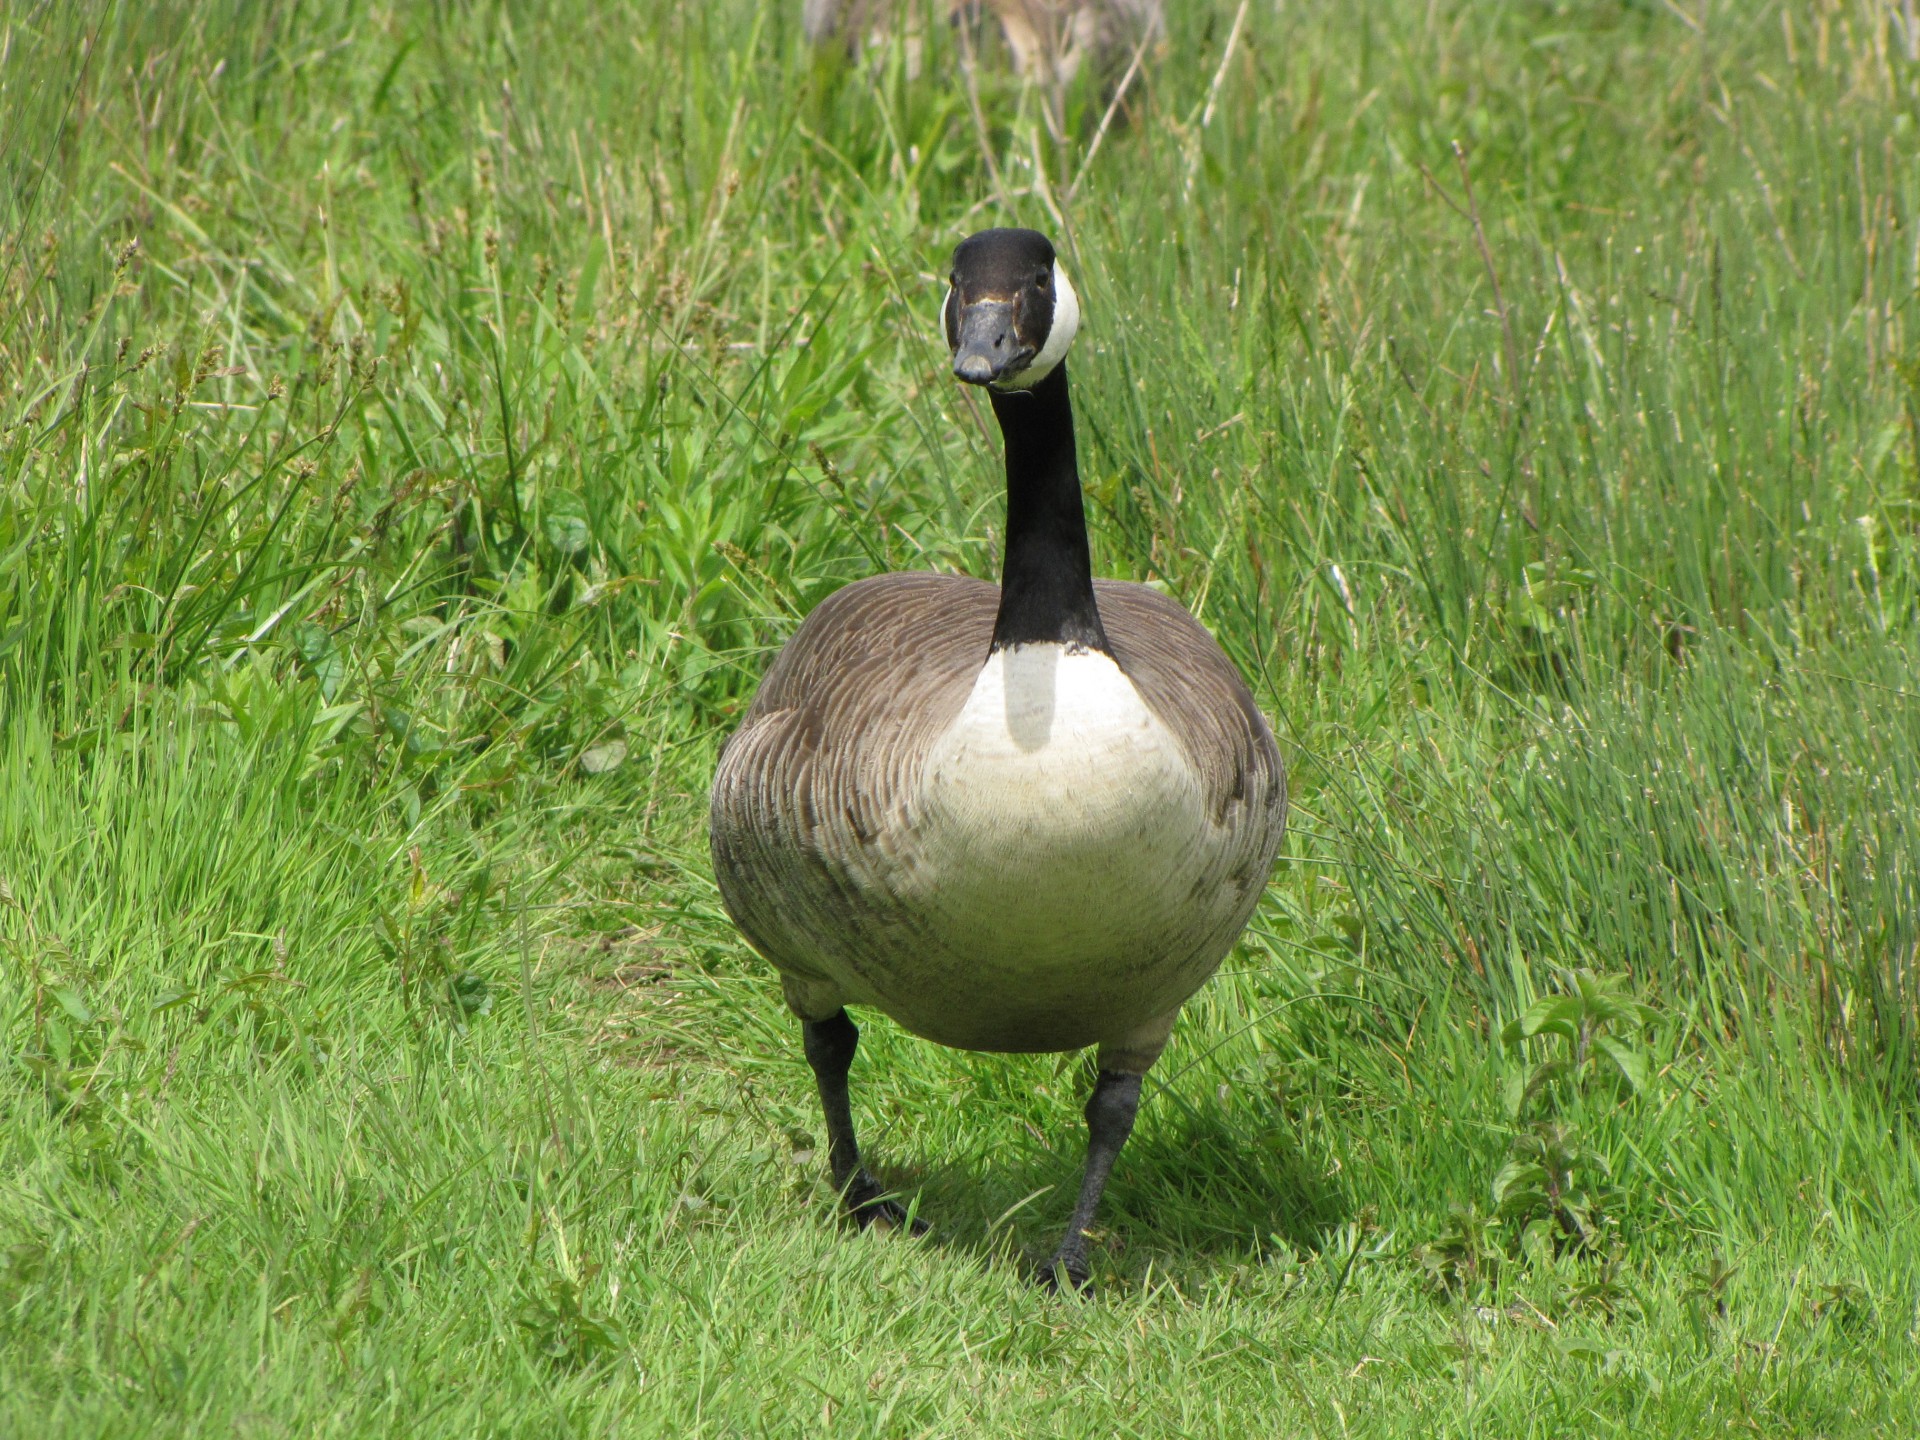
column 887, row 645
column 1188, row 681
column 824, row 761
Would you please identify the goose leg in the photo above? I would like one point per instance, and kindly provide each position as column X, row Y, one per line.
column 830, row 1045
column 1110, row 1111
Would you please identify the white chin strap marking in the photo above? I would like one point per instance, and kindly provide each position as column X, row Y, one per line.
column 1066, row 324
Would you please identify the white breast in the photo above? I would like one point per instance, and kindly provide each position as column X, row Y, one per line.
column 1061, row 824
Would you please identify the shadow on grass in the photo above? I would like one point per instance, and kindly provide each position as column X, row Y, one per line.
column 1197, row 1188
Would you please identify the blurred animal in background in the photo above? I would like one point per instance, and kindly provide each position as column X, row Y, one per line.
column 1050, row 41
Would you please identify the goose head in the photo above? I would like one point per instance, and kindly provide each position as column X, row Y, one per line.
column 1010, row 313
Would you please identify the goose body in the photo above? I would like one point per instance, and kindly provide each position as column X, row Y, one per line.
column 1032, row 816
column 1014, row 851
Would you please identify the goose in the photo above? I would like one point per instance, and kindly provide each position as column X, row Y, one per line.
column 1028, row 817
column 1048, row 40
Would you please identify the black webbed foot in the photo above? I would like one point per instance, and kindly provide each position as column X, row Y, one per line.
column 871, row 1206
column 1063, row 1277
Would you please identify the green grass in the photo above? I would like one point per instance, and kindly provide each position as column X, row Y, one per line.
column 419, row 423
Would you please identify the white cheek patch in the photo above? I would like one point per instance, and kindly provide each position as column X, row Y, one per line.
column 948, row 326
column 1066, row 324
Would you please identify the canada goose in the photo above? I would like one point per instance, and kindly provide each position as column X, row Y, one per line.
column 1049, row 41
column 1025, row 817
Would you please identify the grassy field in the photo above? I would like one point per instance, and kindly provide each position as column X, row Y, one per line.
column 419, row 423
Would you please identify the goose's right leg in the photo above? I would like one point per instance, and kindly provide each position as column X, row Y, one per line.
column 830, row 1045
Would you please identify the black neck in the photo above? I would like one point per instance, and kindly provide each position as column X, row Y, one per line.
column 1046, row 591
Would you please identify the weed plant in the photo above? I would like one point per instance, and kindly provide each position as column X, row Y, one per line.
column 418, row 425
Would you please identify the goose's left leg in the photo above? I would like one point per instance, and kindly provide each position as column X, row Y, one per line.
column 1110, row 1111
